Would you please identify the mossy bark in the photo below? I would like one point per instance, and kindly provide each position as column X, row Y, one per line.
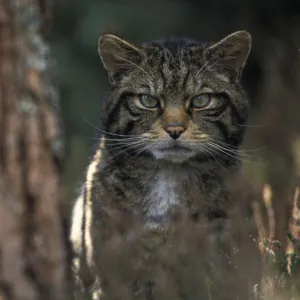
column 32, row 244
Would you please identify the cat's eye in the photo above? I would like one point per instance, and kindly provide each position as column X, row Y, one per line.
column 149, row 102
column 201, row 101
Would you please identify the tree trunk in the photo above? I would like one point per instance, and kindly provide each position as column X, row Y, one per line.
column 32, row 247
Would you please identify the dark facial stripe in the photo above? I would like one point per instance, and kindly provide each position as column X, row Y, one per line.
column 223, row 128
column 185, row 79
column 235, row 111
column 216, row 113
column 163, row 77
column 236, row 114
column 113, row 113
column 128, row 127
column 129, row 109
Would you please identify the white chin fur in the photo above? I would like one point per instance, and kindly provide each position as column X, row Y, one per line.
column 173, row 157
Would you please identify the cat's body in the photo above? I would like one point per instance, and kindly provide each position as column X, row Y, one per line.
column 171, row 129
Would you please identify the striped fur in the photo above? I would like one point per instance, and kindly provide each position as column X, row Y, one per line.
column 138, row 170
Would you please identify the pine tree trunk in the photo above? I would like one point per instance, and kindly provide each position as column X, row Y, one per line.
column 32, row 247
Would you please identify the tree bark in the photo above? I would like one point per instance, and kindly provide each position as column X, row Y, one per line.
column 32, row 247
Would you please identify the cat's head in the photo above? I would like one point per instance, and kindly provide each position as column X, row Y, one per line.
column 175, row 99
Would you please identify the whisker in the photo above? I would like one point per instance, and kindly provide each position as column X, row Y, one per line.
column 91, row 138
column 110, row 133
column 126, row 149
column 236, row 151
column 91, row 124
column 213, row 156
column 233, row 148
column 116, row 140
column 124, row 145
column 141, row 150
column 252, row 125
column 231, row 154
column 126, row 139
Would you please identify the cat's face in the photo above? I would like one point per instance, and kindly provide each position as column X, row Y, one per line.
column 175, row 99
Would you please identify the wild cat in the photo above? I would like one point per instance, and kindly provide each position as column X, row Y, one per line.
column 172, row 126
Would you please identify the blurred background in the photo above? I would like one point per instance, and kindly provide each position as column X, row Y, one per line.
column 271, row 78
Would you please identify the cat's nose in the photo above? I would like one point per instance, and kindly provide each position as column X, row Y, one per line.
column 175, row 130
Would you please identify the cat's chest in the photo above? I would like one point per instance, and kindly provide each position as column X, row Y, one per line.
column 171, row 189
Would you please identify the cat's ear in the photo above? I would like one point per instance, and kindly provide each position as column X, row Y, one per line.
column 232, row 51
column 117, row 54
